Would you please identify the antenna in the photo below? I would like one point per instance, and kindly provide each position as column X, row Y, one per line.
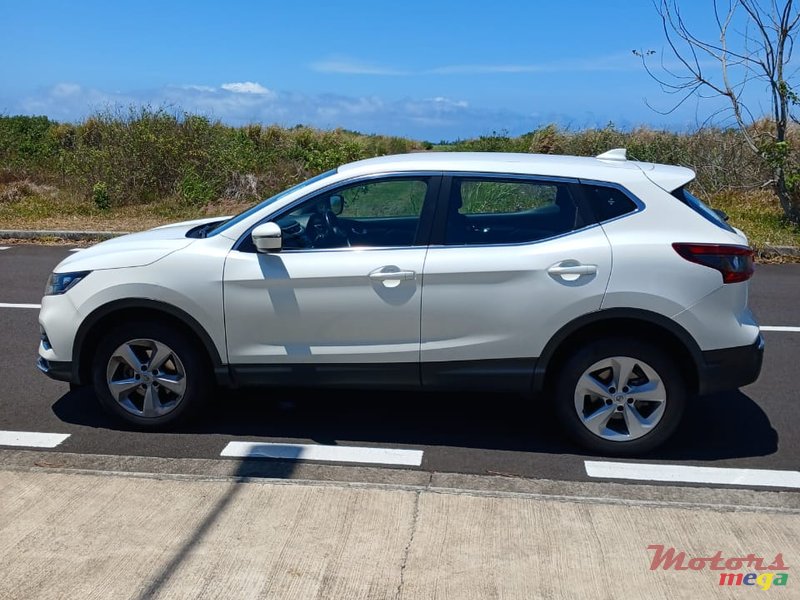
column 615, row 154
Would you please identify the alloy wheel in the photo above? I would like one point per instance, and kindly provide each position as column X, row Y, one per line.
column 620, row 398
column 146, row 378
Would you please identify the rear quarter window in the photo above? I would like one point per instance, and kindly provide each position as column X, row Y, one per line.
column 607, row 202
column 701, row 208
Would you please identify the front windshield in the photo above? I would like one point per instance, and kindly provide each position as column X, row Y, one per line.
column 251, row 211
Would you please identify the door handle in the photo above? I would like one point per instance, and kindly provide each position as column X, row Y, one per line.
column 572, row 270
column 381, row 275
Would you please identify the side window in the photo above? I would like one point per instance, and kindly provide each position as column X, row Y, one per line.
column 376, row 214
column 399, row 198
column 608, row 202
column 496, row 211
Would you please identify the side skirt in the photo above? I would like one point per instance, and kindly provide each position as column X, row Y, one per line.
column 501, row 375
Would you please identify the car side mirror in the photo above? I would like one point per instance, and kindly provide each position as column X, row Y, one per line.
column 337, row 204
column 267, row 237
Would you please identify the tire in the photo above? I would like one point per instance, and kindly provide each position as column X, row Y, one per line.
column 633, row 419
column 170, row 389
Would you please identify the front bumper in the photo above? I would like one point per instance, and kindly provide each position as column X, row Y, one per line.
column 730, row 368
column 60, row 371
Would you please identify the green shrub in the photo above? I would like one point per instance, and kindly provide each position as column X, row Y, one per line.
column 26, row 146
column 145, row 154
column 100, row 196
column 195, row 189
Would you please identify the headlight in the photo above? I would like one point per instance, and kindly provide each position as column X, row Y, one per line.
column 58, row 283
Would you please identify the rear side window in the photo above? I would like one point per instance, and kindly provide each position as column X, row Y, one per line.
column 701, row 208
column 503, row 197
column 487, row 211
column 607, row 202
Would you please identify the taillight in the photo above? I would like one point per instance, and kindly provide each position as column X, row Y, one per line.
column 734, row 262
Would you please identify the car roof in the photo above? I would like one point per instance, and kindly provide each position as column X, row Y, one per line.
column 615, row 170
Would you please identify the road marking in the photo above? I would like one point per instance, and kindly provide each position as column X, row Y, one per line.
column 780, row 328
column 4, row 247
column 11, row 305
column 355, row 454
column 31, row 439
column 686, row 474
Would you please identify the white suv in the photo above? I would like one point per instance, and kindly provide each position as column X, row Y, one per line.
column 598, row 284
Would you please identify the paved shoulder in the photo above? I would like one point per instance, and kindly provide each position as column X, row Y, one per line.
column 141, row 537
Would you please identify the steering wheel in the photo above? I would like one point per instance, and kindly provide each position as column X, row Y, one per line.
column 325, row 230
column 335, row 226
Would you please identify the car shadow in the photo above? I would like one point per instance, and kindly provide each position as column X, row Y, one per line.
column 720, row 426
column 717, row 427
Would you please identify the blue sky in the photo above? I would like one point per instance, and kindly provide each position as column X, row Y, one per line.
column 426, row 69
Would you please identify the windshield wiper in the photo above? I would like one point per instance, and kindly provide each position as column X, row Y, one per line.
column 202, row 231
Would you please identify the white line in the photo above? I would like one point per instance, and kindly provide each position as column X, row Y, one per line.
column 685, row 474
column 355, row 454
column 31, row 439
column 76, row 249
column 4, row 247
column 779, row 328
column 7, row 305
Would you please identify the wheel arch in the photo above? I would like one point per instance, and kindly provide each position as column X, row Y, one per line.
column 644, row 325
column 101, row 319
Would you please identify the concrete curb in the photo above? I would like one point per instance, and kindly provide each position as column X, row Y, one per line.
column 20, row 234
column 720, row 499
column 779, row 250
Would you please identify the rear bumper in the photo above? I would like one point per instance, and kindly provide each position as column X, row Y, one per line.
column 730, row 368
column 60, row 371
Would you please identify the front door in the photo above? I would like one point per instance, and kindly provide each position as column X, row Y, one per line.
column 344, row 291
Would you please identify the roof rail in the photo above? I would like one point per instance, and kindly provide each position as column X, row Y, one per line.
column 615, row 154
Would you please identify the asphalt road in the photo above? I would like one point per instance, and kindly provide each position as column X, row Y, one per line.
column 756, row 427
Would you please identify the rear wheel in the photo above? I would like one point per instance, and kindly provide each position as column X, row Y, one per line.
column 620, row 396
column 150, row 375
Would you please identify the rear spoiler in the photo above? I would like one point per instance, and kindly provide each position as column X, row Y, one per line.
column 667, row 177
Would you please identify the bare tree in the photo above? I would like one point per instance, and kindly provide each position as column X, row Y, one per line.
column 756, row 39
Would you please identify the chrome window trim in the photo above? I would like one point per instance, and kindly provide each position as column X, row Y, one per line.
column 349, row 249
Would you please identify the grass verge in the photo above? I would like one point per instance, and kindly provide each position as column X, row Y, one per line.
column 51, row 209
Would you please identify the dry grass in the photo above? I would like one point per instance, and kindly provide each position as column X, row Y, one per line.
column 30, row 209
column 14, row 191
column 759, row 215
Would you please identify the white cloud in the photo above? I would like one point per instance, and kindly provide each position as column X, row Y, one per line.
column 69, row 101
column 442, row 101
column 613, row 62
column 66, row 89
column 353, row 67
column 246, row 87
column 198, row 88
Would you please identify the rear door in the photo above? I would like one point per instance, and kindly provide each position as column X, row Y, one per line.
column 513, row 259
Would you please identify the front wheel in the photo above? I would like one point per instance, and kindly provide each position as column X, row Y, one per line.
column 620, row 396
column 150, row 375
